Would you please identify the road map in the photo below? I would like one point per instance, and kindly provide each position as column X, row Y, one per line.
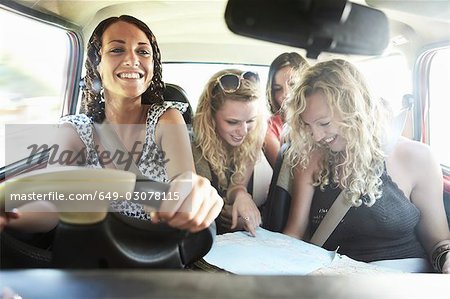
column 271, row 253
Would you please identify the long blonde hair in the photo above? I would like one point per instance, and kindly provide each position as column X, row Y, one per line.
column 223, row 159
column 359, row 167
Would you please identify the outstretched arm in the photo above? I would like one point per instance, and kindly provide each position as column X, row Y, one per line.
column 173, row 138
column 244, row 212
column 198, row 204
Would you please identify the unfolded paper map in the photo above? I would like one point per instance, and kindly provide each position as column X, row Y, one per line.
column 271, row 253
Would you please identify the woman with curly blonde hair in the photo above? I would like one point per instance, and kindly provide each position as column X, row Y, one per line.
column 339, row 142
column 229, row 128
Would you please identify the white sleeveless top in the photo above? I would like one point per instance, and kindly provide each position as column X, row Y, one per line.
column 151, row 162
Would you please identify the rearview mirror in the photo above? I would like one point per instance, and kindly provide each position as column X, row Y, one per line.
column 336, row 26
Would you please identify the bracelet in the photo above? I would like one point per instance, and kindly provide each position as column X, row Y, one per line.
column 438, row 256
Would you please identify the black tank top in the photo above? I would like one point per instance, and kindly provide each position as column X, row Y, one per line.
column 385, row 230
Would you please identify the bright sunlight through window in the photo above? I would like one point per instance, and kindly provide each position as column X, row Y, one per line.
column 32, row 72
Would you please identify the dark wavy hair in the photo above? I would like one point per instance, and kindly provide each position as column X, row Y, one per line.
column 92, row 104
column 292, row 59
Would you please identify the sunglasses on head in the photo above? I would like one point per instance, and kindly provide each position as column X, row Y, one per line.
column 229, row 82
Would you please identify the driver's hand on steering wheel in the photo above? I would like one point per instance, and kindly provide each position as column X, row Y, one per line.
column 197, row 205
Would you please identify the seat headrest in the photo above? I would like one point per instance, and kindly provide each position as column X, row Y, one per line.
column 173, row 92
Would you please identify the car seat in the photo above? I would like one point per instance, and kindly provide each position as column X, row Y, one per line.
column 276, row 209
column 173, row 92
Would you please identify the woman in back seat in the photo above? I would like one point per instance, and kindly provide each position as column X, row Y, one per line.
column 279, row 83
column 229, row 127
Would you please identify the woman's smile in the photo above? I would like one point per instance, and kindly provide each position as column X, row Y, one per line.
column 130, row 75
column 126, row 66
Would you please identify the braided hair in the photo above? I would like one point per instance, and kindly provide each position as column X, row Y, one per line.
column 93, row 104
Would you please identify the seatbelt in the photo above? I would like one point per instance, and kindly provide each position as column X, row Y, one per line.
column 334, row 215
column 340, row 207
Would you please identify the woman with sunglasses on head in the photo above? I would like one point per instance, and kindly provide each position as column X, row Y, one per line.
column 340, row 142
column 279, row 82
column 228, row 134
column 124, row 87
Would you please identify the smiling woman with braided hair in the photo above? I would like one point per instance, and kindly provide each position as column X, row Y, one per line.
column 124, row 88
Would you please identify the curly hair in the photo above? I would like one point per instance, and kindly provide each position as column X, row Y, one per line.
column 92, row 104
column 225, row 160
column 358, row 168
column 292, row 59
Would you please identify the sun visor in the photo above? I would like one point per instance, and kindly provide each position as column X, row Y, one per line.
column 335, row 26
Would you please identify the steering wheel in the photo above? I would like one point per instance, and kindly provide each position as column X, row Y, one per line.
column 87, row 236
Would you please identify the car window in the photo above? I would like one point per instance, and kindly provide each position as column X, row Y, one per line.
column 192, row 77
column 389, row 77
column 33, row 59
column 439, row 105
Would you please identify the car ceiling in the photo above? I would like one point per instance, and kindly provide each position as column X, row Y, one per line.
column 195, row 31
